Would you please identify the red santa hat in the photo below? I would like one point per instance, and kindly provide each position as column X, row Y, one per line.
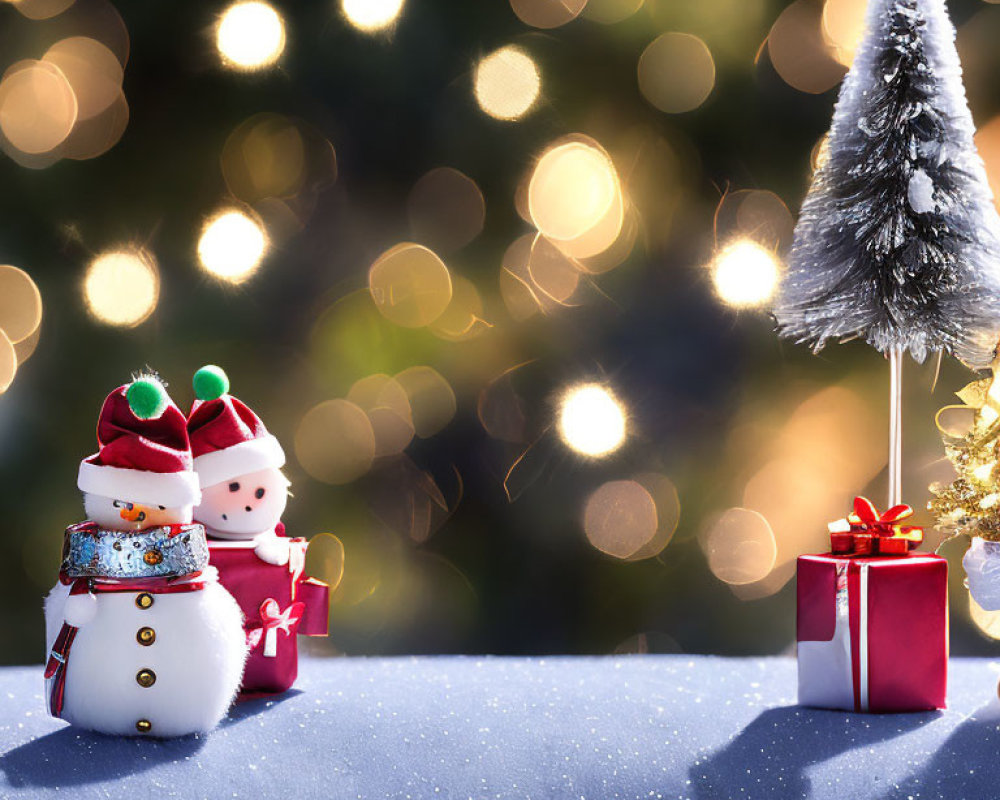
column 144, row 455
column 227, row 438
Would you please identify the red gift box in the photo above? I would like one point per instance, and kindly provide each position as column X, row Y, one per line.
column 278, row 602
column 873, row 629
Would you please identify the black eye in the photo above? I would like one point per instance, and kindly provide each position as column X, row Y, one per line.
column 234, row 487
column 259, row 493
column 162, row 508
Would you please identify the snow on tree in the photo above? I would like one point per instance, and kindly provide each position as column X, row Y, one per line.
column 898, row 241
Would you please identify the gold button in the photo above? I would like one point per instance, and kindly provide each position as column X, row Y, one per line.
column 152, row 557
column 144, row 726
column 145, row 636
column 145, row 677
column 144, row 600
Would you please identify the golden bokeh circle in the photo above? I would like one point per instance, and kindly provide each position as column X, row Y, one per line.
column 592, row 420
column 122, row 287
column 38, row 107
column 250, row 35
column 740, row 547
column 547, row 13
column 507, row 83
column 745, row 274
column 93, row 71
column 446, row 209
column 410, row 284
column 8, row 362
column 572, row 187
column 463, row 318
column 676, row 72
column 232, row 245
column 335, row 442
column 20, row 304
column 371, row 15
column 620, row 518
column 387, row 405
column 799, row 51
column 431, row 398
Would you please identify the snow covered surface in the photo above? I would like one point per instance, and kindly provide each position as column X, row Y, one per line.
column 593, row 728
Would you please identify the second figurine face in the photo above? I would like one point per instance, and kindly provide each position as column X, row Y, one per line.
column 245, row 506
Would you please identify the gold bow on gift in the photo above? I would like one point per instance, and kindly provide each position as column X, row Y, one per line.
column 866, row 532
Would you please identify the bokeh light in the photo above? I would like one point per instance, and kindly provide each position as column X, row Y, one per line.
column 335, row 442
column 387, row 405
column 20, row 304
column 92, row 71
column 231, row 245
column 431, row 398
column 668, row 513
column 371, row 15
column 250, row 35
column 547, row 13
column 41, row 9
column 620, row 518
column 745, row 274
column 122, row 287
column 515, row 281
column 325, row 560
column 38, row 108
column 463, row 318
column 844, row 24
column 8, row 362
column 572, row 187
column 799, row 49
column 987, row 622
column 830, row 444
column 740, row 546
column 591, row 420
column 676, row 72
column 410, row 285
column 553, row 273
column 446, row 209
column 507, row 83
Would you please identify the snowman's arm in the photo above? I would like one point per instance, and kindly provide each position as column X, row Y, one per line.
column 272, row 549
column 55, row 608
column 80, row 609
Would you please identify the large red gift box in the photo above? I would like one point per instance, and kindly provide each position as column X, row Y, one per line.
column 278, row 602
column 873, row 632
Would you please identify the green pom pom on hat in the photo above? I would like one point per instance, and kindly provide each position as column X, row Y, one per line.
column 147, row 398
column 210, row 383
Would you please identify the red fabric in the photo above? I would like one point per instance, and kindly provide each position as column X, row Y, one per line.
column 153, row 445
column 253, row 582
column 221, row 423
column 907, row 624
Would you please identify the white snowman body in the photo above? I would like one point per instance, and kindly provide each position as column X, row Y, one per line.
column 153, row 662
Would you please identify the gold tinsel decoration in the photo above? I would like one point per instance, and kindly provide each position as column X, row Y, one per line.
column 970, row 504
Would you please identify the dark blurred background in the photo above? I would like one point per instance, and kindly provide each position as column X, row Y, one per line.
column 603, row 191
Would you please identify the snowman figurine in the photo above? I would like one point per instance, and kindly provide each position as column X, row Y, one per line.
column 142, row 637
column 243, row 495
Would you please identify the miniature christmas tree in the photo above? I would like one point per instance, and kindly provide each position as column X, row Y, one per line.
column 970, row 504
column 898, row 241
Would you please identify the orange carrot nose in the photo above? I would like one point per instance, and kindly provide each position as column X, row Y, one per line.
column 133, row 512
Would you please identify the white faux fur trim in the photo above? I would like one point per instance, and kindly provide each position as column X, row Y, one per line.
column 197, row 657
column 239, row 459
column 170, row 489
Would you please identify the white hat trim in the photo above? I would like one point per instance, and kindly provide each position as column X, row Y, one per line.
column 250, row 456
column 170, row 489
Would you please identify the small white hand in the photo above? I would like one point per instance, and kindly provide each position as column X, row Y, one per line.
column 80, row 609
column 273, row 550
